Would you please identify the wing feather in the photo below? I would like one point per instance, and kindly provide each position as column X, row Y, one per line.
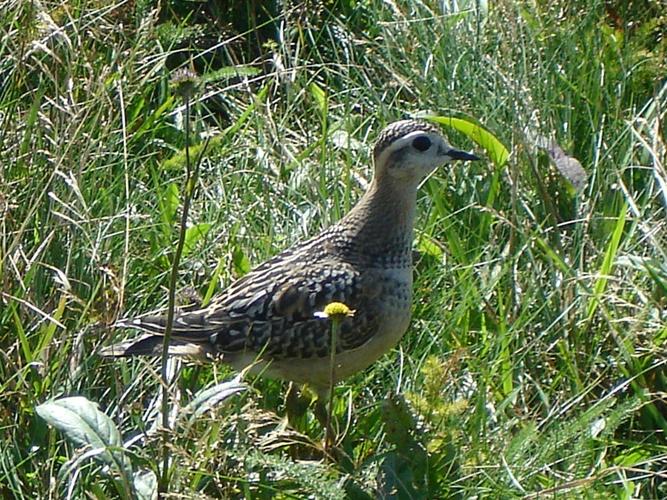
column 271, row 310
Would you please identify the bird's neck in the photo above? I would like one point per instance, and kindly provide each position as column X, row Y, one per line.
column 383, row 219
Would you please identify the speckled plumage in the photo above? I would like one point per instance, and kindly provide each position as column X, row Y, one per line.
column 365, row 261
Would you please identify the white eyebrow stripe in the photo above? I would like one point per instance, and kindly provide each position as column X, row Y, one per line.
column 401, row 142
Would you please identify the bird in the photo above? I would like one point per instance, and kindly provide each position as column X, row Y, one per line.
column 268, row 319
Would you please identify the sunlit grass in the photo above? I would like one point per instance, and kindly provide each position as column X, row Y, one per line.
column 535, row 360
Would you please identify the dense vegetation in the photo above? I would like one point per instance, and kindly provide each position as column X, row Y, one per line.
column 535, row 362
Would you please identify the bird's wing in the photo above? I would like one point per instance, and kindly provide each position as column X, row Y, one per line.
column 271, row 311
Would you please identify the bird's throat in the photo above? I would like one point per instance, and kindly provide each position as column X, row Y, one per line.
column 384, row 217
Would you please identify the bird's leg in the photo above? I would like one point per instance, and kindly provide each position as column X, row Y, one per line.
column 323, row 413
column 296, row 406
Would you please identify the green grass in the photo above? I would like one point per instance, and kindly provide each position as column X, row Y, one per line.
column 535, row 362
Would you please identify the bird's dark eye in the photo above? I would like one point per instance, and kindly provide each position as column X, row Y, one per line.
column 421, row 143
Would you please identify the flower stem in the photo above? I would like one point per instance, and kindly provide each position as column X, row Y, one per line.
column 191, row 173
column 335, row 324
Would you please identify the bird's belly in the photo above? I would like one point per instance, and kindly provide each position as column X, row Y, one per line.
column 390, row 331
column 316, row 371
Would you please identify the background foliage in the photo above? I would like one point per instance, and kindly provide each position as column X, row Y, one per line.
column 535, row 363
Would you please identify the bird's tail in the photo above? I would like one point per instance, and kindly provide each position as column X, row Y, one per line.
column 151, row 345
column 186, row 339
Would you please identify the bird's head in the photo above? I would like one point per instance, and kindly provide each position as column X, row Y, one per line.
column 410, row 150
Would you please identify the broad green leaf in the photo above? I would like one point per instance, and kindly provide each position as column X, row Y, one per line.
column 496, row 150
column 84, row 424
column 241, row 262
column 170, row 201
column 633, row 456
column 212, row 396
column 430, row 246
column 193, row 234
column 210, row 290
column 320, row 97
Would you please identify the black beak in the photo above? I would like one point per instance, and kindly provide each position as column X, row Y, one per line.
column 455, row 154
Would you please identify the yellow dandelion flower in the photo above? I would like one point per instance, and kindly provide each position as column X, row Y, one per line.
column 336, row 311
